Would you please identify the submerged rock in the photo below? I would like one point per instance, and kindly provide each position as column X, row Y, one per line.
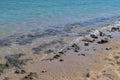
column 16, row 61
column 5, row 42
column 37, row 49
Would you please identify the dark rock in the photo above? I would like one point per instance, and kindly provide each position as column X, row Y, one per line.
column 93, row 36
column 68, row 48
column 44, row 71
column 83, row 54
column 108, row 48
column 86, row 44
column 7, row 65
column 61, row 60
column 101, row 33
column 88, row 75
column 61, row 52
column 75, row 47
column 17, row 72
column 49, row 59
column 56, row 56
column 31, row 76
column 76, row 50
column 23, row 71
column 102, row 41
column 20, row 71
column 114, row 29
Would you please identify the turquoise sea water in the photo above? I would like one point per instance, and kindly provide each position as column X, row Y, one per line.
column 22, row 15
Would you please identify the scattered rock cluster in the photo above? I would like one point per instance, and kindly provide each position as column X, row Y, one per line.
column 14, row 61
column 31, row 76
column 97, row 37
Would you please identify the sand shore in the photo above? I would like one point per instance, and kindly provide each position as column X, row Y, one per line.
column 95, row 56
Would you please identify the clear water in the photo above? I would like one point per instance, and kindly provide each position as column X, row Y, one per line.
column 23, row 15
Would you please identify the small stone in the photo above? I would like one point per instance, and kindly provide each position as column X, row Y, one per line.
column 75, row 47
column 83, row 54
column 56, row 56
column 44, row 71
column 23, row 71
column 102, row 41
column 86, row 44
column 61, row 60
column 88, row 75
column 76, row 50
column 101, row 33
column 61, row 52
column 17, row 72
column 108, row 48
column 93, row 36
column 68, row 48
column 26, row 77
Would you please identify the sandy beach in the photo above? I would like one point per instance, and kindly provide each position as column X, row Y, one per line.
column 93, row 56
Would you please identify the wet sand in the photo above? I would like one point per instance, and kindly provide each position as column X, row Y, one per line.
column 94, row 56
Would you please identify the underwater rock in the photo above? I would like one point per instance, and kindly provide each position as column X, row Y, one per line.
column 15, row 61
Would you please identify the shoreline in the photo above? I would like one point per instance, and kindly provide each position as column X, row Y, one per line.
column 79, row 60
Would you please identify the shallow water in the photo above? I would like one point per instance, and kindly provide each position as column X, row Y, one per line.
column 19, row 16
